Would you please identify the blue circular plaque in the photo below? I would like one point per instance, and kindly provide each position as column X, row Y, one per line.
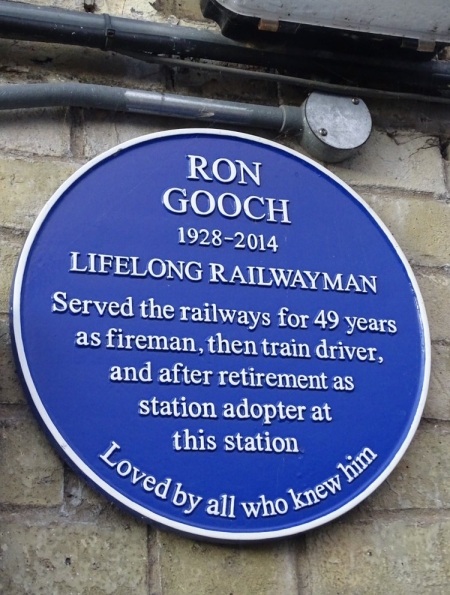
column 220, row 335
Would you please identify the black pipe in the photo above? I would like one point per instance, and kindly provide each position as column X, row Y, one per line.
column 37, row 23
column 285, row 119
column 309, row 85
column 105, row 32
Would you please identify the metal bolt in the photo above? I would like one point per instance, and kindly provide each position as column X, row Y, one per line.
column 355, row 101
column 323, row 131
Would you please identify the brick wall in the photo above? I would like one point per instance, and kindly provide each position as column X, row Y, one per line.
column 56, row 535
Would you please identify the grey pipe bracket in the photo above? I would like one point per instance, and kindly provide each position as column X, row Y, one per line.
column 329, row 127
column 334, row 127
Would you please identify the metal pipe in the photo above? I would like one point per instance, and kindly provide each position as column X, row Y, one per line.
column 105, row 32
column 285, row 119
column 348, row 123
column 307, row 84
column 37, row 23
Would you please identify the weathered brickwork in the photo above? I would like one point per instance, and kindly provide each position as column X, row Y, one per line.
column 41, row 556
column 59, row 537
column 11, row 242
column 395, row 555
column 32, row 472
column 26, row 186
column 186, row 567
column 403, row 160
column 36, row 132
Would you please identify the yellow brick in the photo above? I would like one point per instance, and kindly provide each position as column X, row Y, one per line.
column 10, row 247
column 10, row 389
column 392, row 557
column 422, row 478
column 438, row 402
column 189, row 567
column 31, row 471
column 36, row 131
column 435, row 289
column 420, row 226
column 73, row 559
column 26, row 186
column 407, row 161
